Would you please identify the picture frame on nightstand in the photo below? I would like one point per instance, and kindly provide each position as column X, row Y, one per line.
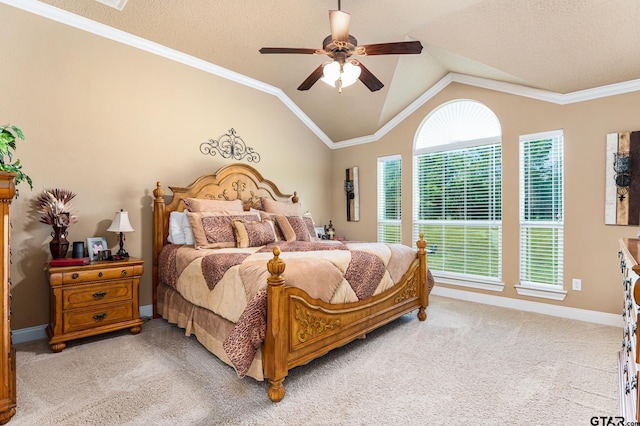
column 94, row 246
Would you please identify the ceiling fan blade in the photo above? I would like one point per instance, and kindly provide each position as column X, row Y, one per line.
column 398, row 48
column 288, row 50
column 311, row 80
column 340, row 22
column 369, row 80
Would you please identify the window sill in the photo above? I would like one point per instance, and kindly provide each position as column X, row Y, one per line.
column 477, row 283
column 541, row 292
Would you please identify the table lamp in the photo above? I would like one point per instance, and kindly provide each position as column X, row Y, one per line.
column 121, row 224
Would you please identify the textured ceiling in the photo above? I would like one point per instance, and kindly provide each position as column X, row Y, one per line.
column 557, row 45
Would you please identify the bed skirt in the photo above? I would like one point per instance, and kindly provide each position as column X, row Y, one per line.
column 210, row 329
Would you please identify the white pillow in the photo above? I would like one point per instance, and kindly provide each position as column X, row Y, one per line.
column 180, row 231
column 176, row 229
column 256, row 211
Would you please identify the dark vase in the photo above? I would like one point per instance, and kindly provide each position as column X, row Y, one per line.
column 59, row 244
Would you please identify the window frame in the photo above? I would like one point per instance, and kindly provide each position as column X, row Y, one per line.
column 422, row 147
column 383, row 222
column 526, row 286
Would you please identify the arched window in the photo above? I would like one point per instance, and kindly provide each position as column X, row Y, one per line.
column 457, row 186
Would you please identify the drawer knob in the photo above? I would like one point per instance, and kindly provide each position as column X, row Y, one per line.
column 100, row 274
column 123, row 273
column 99, row 317
column 75, row 275
column 99, row 294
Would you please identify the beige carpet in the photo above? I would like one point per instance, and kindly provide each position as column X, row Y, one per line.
column 467, row 364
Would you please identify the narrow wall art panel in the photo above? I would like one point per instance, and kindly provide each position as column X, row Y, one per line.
column 353, row 194
column 622, row 179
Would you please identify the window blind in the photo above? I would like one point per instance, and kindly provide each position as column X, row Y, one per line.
column 541, row 209
column 459, row 209
column 390, row 199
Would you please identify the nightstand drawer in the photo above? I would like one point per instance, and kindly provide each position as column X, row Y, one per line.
column 82, row 320
column 79, row 276
column 92, row 294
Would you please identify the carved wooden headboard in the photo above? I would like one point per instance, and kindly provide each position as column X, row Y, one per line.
column 231, row 182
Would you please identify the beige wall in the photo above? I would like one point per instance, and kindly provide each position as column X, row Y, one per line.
column 590, row 246
column 107, row 121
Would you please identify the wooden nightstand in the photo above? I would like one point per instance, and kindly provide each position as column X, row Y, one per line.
column 93, row 299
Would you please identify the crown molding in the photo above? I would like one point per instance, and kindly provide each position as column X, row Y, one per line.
column 76, row 21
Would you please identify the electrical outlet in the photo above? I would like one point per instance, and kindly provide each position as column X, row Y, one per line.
column 577, row 284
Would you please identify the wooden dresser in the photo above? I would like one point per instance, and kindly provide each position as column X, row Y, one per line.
column 629, row 361
column 93, row 299
column 8, row 354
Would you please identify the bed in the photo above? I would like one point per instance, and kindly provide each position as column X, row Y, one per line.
column 261, row 313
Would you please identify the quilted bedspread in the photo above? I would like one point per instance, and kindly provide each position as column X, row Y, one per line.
column 232, row 282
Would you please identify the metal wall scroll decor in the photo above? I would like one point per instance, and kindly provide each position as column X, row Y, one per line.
column 230, row 145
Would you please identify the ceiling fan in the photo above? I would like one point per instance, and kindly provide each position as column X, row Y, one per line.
column 342, row 71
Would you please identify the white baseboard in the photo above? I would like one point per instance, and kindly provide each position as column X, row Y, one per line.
column 39, row 332
column 529, row 306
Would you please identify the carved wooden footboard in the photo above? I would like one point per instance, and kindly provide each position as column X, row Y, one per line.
column 300, row 328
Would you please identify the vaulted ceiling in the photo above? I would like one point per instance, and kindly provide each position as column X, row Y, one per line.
column 561, row 46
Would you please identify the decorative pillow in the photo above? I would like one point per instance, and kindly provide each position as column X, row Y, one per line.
column 278, row 207
column 215, row 229
column 188, row 231
column 311, row 226
column 288, row 233
column 205, row 205
column 272, row 217
column 299, row 228
column 254, row 234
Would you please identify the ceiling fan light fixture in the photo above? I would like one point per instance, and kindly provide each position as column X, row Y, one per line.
column 331, row 73
column 350, row 74
column 334, row 76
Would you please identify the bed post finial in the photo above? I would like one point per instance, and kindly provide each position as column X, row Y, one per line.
column 158, row 192
column 275, row 267
column 295, row 198
column 421, row 243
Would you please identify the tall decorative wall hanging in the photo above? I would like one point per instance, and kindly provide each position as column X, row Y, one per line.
column 230, row 145
column 353, row 195
column 622, row 186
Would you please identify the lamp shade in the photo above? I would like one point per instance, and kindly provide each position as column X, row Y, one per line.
column 331, row 73
column 121, row 223
column 350, row 74
column 347, row 74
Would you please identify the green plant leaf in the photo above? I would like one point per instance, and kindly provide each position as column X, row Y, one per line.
column 7, row 146
column 18, row 132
